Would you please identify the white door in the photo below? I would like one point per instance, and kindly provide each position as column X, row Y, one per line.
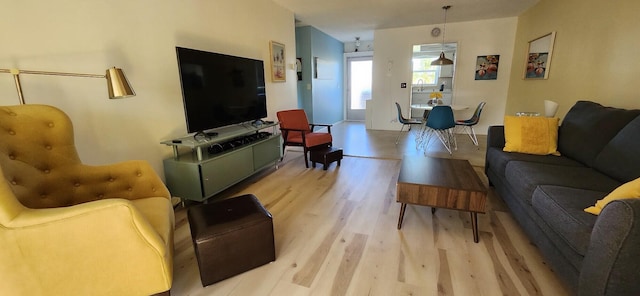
column 359, row 75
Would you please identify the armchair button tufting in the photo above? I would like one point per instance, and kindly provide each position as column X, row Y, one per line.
column 48, row 147
column 47, row 171
column 76, row 184
column 12, row 132
column 130, row 189
column 100, row 196
column 13, row 182
column 12, row 157
column 111, row 179
column 51, row 124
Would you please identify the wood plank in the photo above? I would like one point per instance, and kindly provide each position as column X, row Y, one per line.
column 318, row 216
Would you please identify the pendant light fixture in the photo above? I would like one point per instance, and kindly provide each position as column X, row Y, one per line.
column 442, row 60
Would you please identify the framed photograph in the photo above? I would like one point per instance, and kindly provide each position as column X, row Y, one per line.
column 487, row 67
column 299, row 68
column 278, row 71
column 538, row 60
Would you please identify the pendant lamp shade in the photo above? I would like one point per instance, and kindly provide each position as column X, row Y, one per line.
column 442, row 60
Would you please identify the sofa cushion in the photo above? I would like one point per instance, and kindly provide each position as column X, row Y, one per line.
column 532, row 135
column 627, row 190
column 524, row 177
column 620, row 158
column 561, row 208
column 497, row 159
column 588, row 127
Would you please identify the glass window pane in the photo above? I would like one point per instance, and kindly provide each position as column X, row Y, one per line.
column 360, row 83
column 423, row 72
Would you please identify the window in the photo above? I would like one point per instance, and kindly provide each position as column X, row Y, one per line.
column 425, row 76
column 423, row 73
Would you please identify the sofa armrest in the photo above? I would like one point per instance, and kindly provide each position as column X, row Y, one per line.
column 612, row 263
column 495, row 136
column 495, row 139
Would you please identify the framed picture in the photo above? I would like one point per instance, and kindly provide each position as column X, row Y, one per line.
column 538, row 60
column 278, row 71
column 299, row 68
column 487, row 67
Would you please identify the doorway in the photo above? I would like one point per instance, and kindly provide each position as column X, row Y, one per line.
column 359, row 76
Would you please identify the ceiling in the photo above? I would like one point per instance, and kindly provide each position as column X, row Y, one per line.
column 347, row 19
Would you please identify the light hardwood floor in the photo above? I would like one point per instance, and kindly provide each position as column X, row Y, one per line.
column 335, row 233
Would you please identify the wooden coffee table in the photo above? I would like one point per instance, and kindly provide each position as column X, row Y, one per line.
column 441, row 183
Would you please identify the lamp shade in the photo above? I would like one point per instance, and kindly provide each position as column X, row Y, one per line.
column 442, row 60
column 550, row 108
column 118, row 84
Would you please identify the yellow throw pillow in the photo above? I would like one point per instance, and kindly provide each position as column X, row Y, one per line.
column 627, row 190
column 531, row 135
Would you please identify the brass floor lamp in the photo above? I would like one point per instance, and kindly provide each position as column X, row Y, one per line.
column 117, row 83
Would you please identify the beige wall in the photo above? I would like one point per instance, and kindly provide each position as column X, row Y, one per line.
column 140, row 37
column 392, row 66
column 595, row 56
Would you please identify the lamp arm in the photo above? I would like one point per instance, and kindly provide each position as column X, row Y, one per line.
column 16, row 77
column 117, row 84
column 17, row 71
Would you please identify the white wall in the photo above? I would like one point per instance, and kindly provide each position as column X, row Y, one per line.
column 139, row 37
column 392, row 66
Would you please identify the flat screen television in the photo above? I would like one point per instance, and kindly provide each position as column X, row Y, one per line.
column 220, row 90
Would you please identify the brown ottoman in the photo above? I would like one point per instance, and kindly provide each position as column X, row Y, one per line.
column 325, row 156
column 230, row 237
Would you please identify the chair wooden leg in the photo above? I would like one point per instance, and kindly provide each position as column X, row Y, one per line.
column 284, row 147
column 306, row 161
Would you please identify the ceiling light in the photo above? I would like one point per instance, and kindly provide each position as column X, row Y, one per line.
column 442, row 60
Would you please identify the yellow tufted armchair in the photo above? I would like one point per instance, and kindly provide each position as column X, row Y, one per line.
column 73, row 229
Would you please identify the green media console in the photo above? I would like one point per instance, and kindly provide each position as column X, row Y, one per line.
column 237, row 152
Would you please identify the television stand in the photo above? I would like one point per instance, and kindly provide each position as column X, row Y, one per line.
column 194, row 173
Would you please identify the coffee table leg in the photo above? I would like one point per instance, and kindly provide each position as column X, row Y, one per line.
column 474, row 226
column 402, row 208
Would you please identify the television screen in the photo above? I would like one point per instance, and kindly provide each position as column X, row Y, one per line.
column 220, row 90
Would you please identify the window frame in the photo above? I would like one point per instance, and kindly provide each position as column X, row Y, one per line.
column 431, row 69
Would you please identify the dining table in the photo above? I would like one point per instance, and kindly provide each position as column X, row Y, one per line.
column 428, row 107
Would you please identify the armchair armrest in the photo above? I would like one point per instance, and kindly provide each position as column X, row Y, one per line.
column 328, row 126
column 102, row 242
column 611, row 264
column 83, row 216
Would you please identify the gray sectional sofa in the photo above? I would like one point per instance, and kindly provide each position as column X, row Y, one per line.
column 600, row 147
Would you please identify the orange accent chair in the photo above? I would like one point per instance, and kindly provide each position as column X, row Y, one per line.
column 297, row 131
